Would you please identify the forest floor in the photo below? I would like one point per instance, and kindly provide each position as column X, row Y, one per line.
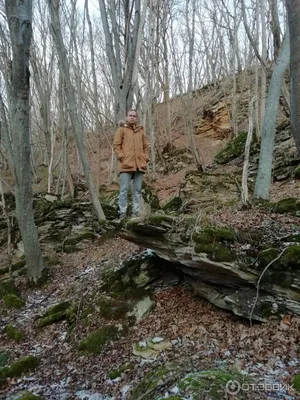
column 198, row 330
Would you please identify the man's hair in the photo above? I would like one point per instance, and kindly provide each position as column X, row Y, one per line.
column 132, row 109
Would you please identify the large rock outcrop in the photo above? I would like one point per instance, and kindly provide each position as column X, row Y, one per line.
column 224, row 265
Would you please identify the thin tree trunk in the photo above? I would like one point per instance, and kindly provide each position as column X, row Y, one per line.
column 70, row 93
column 264, row 174
column 293, row 7
column 263, row 84
column 245, row 194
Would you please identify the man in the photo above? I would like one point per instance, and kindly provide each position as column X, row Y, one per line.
column 131, row 147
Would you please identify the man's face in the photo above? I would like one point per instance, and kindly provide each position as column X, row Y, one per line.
column 132, row 117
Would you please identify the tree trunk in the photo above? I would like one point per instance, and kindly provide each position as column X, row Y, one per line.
column 70, row 93
column 293, row 8
column 264, row 174
column 19, row 15
column 244, row 194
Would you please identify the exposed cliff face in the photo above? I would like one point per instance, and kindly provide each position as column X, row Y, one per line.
column 221, row 265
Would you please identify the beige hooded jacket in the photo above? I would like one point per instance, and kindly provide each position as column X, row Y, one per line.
column 131, row 147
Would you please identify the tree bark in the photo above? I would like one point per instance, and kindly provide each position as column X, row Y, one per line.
column 264, row 174
column 19, row 15
column 293, row 8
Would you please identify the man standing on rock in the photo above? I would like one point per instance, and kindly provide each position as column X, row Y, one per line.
column 131, row 147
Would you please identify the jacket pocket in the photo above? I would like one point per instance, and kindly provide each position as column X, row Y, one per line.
column 127, row 162
column 142, row 161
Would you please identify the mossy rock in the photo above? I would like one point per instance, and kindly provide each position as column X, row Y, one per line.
column 160, row 219
column 7, row 288
column 14, row 333
column 268, row 255
column 95, row 341
column 212, row 383
column 54, row 314
column 116, row 373
column 113, row 309
column 4, row 357
column 110, row 211
column 74, row 239
column 291, row 257
column 52, row 260
column 173, row 205
column 212, row 234
column 29, row 396
column 212, row 240
column 150, row 381
column 13, row 301
column 235, row 148
column 149, row 197
column 289, row 205
column 216, row 252
column 15, row 267
column 16, row 369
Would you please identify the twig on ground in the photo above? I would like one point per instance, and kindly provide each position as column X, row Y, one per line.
column 258, row 282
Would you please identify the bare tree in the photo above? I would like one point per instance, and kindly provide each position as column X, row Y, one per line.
column 19, row 16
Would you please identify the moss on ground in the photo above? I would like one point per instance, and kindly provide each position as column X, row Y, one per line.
column 4, row 356
column 296, row 382
column 29, row 396
column 7, row 288
column 16, row 369
column 13, row 301
column 14, row 333
column 150, row 381
column 113, row 309
column 173, row 205
column 54, row 314
column 95, row 341
column 289, row 205
column 116, row 373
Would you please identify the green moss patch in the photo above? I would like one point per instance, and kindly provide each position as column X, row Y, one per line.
column 212, row 234
column 297, row 172
column 96, row 340
column 210, row 382
column 296, row 382
column 4, row 356
column 113, row 309
column 22, row 366
column 234, row 149
column 173, row 205
column 54, row 314
column 29, row 396
column 116, row 373
column 13, row 301
column 150, row 381
column 291, row 257
column 14, row 333
column 7, row 288
column 289, row 205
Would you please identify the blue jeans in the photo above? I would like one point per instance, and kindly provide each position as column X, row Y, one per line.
column 125, row 178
